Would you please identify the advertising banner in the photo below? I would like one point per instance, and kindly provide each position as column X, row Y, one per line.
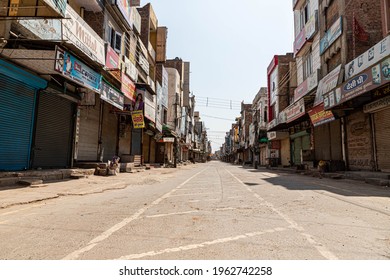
column 331, row 35
column 138, row 119
column 77, row 32
column 112, row 96
column 367, row 59
column 75, row 70
column 319, row 116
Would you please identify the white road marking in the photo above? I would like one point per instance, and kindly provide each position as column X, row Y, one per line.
column 320, row 247
column 19, row 210
column 171, row 214
column 189, row 194
column 76, row 254
column 200, row 245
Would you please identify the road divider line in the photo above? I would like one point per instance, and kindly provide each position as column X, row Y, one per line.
column 172, row 214
column 200, row 245
column 326, row 253
column 103, row 236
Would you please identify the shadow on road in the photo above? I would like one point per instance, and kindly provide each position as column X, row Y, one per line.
column 293, row 181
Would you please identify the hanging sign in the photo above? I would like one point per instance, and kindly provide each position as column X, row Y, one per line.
column 138, row 119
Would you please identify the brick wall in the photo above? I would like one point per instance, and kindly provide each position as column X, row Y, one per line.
column 95, row 21
column 145, row 24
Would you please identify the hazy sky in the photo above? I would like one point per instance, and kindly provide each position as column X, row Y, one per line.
column 229, row 44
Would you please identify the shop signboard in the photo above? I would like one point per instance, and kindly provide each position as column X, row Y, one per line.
column 331, row 35
column 128, row 87
column 158, row 107
column 369, row 58
column 300, row 91
column 300, row 40
column 295, row 110
column 332, row 98
column 319, row 116
column 164, row 94
column 75, row 70
column 311, row 26
column 131, row 70
column 112, row 96
column 272, row 123
column 77, row 32
column 274, row 87
column 368, row 80
column 135, row 19
column 328, row 83
column 45, row 29
column 112, row 59
column 124, row 8
column 138, row 119
column 169, row 139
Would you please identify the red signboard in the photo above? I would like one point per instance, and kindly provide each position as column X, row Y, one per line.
column 319, row 116
column 112, row 59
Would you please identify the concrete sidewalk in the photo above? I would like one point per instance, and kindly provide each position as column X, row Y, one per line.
column 16, row 194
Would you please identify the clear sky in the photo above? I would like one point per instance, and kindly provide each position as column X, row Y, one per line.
column 229, row 44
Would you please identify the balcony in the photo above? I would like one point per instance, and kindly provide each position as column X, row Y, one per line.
column 41, row 9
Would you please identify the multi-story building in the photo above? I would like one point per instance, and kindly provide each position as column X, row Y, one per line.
column 356, row 39
column 99, row 90
column 280, row 77
column 258, row 129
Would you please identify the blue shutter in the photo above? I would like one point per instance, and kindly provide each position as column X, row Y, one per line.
column 17, row 102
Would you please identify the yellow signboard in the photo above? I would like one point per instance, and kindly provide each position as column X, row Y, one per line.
column 138, row 119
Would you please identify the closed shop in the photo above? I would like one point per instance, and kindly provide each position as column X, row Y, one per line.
column 88, row 140
column 359, row 144
column 299, row 141
column 285, row 152
column 263, row 154
column 17, row 113
column 145, row 148
column 54, row 131
column 382, row 138
column 109, row 132
column 152, row 150
column 327, row 141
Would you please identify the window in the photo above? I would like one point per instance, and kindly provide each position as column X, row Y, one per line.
column 307, row 65
column 115, row 40
column 165, row 116
column 304, row 14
